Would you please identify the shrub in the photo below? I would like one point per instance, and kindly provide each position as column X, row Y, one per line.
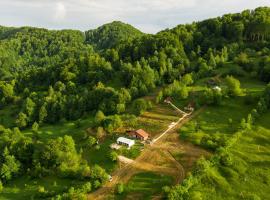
column 86, row 188
column 233, row 86
column 99, row 117
column 100, row 132
column 113, row 156
column 140, row 105
column 187, row 79
column 90, row 141
column 1, row 186
column 120, row 188
column 96, row 184
column 41, row 189
column 242, row 59
column 78, row 123
column 195, row 195
column 250, row 196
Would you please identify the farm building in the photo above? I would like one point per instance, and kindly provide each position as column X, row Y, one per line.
column 125, row 141
column 138, row 134
column 168, row 100
column 190, row 107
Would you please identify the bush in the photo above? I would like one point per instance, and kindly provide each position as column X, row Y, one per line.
column 120, row 188
column 113, row 156
column 242, row 59
column 100, row 132
column 86, row 188
column 1, row 186
column 177, row 90
column 233, row 86
column 99, row 117
column 90, row 141
column 250, row 196
column 195, row 195
column 187, row 79
column 78, row 123
column 96, row 184
column 140, row 105
column 112, row 123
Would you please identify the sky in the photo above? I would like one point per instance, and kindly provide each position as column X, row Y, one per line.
column 149, row 16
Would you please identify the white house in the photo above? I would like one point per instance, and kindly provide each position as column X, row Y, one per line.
column 125, row 141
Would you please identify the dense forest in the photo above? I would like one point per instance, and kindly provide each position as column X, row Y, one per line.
column 49, row 76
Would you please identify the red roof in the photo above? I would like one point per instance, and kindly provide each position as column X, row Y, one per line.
column 142, row 133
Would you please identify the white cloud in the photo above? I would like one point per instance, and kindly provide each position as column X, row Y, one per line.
column 148, row 15
column 60, row 11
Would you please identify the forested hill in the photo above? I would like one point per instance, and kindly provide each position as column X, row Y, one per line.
column 50, row 78
column 34, row 59
column 112, row 34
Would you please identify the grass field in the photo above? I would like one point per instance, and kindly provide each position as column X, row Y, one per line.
column 249, row 177
column 214, row 120
column 157, row 119
column 52, row 131
column 217, row 122
column 25, row 188
column 145, row 186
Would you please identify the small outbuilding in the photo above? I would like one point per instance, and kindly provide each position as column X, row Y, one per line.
column 190, row 107
column 139, row 134
column 168, row 100
column 125, row 141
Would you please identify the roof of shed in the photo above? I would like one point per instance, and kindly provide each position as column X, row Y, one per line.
column 126, row 140
column 142, row 133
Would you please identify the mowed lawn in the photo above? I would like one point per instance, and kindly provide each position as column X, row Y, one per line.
column 145, row 186
column 251, row 158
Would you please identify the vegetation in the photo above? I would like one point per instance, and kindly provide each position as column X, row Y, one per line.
column 66, row 95
column 143, row 186
column 228, row 165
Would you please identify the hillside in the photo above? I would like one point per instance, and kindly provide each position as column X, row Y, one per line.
column 66, row 96
column 111, row 35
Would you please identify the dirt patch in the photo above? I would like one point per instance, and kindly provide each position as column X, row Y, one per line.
column 125, row 160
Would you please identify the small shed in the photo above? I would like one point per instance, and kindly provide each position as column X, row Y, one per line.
column 168, row 100
column 190, row 107
column 139, row 134
column 125, row 141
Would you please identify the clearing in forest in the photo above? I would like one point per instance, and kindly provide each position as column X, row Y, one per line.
column 157, row 158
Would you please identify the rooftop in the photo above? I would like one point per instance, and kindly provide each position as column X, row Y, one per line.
column 126, row 141
column 142, row 133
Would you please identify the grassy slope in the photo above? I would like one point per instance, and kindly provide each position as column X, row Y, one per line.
column 157, row 119
column 252, row 154
column 215, row 119
column 144, row 186
column 25, row 188
column 250, row 176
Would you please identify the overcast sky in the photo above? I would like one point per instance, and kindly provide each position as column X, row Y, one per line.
column 148, row 15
